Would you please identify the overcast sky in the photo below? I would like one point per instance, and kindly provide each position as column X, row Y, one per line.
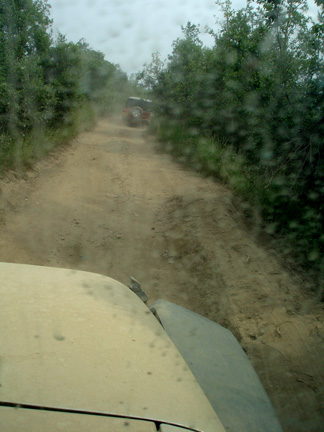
column 129, row 31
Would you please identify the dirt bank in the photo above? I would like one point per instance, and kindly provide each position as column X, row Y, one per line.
column 112, row 204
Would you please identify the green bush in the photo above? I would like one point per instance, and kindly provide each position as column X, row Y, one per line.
column 249, row 110
column 49, row 89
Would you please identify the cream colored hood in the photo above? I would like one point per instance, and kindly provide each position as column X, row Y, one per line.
column 84, row 342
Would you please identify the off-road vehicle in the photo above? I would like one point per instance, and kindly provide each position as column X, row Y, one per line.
column 137, row 111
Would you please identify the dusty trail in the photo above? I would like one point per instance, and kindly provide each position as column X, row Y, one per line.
column 111, row 204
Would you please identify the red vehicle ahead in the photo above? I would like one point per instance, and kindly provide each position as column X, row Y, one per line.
column 138, row 111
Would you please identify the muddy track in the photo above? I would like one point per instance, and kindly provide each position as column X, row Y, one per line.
column 111, row 203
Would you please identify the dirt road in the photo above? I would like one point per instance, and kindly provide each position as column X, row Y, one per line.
column 111, row 203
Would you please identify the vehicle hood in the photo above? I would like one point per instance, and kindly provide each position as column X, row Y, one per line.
column 83, row 342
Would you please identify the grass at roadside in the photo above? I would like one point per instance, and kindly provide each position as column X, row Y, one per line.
column 208, row 156
column 20, row 153
column 290, row 223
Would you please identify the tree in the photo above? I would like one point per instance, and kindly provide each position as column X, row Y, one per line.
column 179, row 85
column 25, row 42
column 45, row 84
column 149, row 76
column 260, row 89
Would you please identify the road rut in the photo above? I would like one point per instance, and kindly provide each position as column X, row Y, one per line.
column 112, row 203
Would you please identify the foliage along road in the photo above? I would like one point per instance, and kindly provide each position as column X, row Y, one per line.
column 111, row 203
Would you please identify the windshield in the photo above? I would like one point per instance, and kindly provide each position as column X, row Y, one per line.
column 213, row 202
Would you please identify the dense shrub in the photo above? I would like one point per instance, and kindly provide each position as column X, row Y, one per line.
column 46, row 84
column 259, row 91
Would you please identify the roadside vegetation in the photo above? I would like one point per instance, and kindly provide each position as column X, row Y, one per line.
column 50, row 88
column 250, row 111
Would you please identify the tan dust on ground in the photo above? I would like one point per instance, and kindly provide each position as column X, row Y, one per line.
column 111, row 203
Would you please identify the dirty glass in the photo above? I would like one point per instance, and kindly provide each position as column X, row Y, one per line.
column 214, row 204
column 143, row 103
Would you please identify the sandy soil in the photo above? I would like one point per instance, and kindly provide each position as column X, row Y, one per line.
column 111, row 203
